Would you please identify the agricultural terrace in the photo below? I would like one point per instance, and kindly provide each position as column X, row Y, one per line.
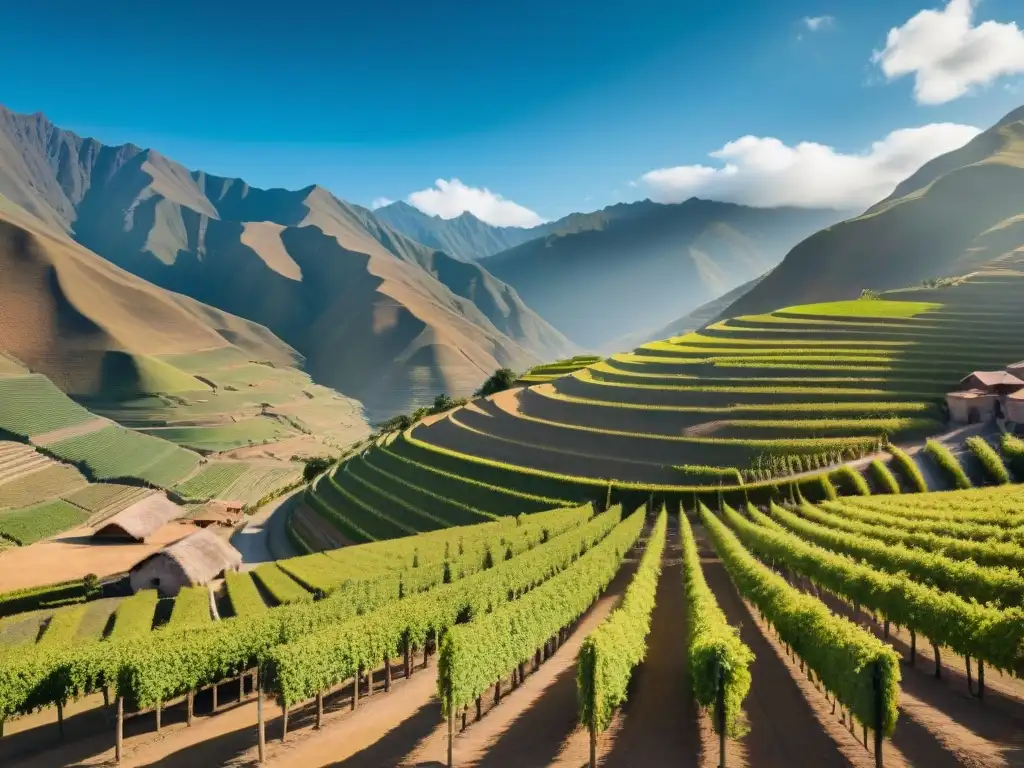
column 758, row 400
column 551, row 371
column 837, row 663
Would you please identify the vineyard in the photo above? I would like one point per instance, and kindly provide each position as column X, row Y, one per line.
column 114, row 452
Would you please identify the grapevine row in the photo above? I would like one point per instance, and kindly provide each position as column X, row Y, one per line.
column 970, row 629
column 611, row 652
column 861, row 671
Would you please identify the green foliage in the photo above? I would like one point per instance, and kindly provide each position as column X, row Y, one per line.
column 46, row 596
column 948, row 463
column 906, row 467
column 960, row 541
column 474, row 655
column 499, row 381
column 316, row 465
column 968, row 628
column 115, row 452
column 32, row 405
column 32, row 524
column 990, row 460
column 312, row 662
column 212, row 480
column 245, row 598
column 884, row 479
column 610, row 653
column 1013, row 450
column 134, row 616
column 280, row 585
column 849, row 481
column 713, row 645
column 191, row 608
column 999, row 585
column 844, row 657
column 63, row 625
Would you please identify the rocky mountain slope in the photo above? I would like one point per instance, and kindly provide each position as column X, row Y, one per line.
column 377, row 315
column 638, row 266
column 959, row 211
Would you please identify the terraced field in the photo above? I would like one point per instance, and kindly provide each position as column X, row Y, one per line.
column 752, row 399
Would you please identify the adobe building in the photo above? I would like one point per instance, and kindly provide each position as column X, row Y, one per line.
column 986, row 396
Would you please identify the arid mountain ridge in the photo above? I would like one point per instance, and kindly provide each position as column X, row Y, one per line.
column 375, row 314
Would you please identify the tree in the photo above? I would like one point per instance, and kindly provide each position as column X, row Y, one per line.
column 316, row 465
column 499, row 381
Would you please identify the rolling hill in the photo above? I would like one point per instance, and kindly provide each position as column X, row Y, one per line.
column 376, row 315
column 634, row 267
column 960, row 210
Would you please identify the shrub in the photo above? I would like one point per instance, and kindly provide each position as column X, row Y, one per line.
column 885, row 480
column 499, row 381
column 948, row 463
column 908, row 469
column 1013, row 451
column 316, row 465
column 850, row 482
column 991, row 461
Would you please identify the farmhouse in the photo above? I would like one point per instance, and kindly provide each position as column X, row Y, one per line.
column 1015, row 407
column 141, row 520
column 193, row 561
column 225, row 514
column 984, row 396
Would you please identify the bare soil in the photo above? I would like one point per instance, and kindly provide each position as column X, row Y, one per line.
column 75, row 554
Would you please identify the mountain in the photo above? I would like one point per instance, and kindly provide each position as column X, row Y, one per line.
column 960, row 210
column 465, row 237
column 692, row 321
column 376, row 315
column 94, row 328
column 637, row 266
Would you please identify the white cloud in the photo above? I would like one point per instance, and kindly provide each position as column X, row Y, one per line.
column 449, row 199
column 816, row 23
column 765, row 172
column 380, row 202
column 947, row 55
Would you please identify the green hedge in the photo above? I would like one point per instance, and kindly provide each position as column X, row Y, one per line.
column 610, row 653
column 990, row 460
column 885, row 480
column 948, row 463
column 849, row 482
column 1013, row 450
column 907, row 468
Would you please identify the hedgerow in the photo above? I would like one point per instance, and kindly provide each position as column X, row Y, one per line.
column 610, row 653
column 991, row 461
column 885, row 481
column 849, row 481
column 908, row 469
column 1013, row 450
column 948, row 463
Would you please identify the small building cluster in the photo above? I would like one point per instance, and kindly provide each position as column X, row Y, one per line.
column 989, row 395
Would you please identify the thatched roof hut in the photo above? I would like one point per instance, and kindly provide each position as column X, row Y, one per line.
column 141, row 520
column 195, row 560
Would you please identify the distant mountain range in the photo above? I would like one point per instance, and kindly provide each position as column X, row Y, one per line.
column 376, row 314
column 465, row 237
column 960, row 210
column 634, row 267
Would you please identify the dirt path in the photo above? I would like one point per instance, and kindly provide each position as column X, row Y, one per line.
column 535, row 725
column 264, row 537
column 660, row 723
column 788, row 726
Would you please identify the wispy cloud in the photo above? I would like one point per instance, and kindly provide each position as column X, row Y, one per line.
column 818, row 23
column 948, row 55
column 380, row 202
column 765, row 172
column 449, row 199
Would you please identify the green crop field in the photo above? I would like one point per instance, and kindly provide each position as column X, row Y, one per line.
column 211, row 480
column 32, row 405
column 41, row 521
column 53, row 481
column 114, row 452
column 216, row 438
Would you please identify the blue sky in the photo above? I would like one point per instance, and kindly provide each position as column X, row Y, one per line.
column 557, row 106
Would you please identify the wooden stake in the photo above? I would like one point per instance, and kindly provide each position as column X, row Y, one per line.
column 355, row 688
column 720, row 716
column 981, row 679
column 241, row 688
column 970, row 681
column 189, row 707
column 593, row 746
column 387, row 675
column 938, row 662
column 913, row 648
column 451, row 733
column 60, row 718
column 159, row 707
column 261, row 726
column 465, row 710
column 284, row 722
column 214, row 697
column 369, row 681
column 479, row 708
column 119, row 733
column 497, row 691
column 319, row 711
